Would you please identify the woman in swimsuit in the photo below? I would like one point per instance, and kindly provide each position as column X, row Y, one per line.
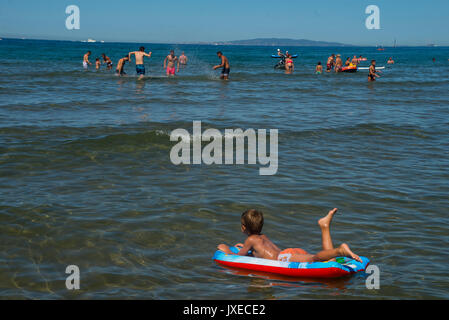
column 289, row 66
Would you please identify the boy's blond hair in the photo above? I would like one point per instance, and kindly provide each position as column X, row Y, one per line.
column 253, row 221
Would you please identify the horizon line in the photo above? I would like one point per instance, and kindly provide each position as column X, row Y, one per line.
column 225, row 43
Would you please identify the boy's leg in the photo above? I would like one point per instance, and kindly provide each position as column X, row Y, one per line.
column 326, row 255
column 324, row 224
column 341, row 251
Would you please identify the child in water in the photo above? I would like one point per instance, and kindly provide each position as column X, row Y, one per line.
column 373, row 72
column 119, row 71
column 97, row 63
column 319, row 68
column 262, row 247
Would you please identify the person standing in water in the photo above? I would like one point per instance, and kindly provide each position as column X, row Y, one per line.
column 338, row 63
column 289, row 65
column 107, row 60
column 225, row 65
column 183, row 59
column 372, row 71
column 172, row 59
column 330, row 63
column 390, row 61
column 140, row 55
column 86, row 62
column 319, row 68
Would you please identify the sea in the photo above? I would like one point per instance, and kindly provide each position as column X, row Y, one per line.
column 86, row 177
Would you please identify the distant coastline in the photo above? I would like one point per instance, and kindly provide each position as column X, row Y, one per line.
column 260, row 42
column 279, row 42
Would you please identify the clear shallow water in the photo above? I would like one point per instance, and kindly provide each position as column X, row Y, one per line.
column 86, row 178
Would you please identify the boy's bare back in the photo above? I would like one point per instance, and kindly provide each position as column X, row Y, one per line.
column 261, row 247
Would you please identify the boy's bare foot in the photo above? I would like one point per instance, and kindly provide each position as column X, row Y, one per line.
column 348, row 253
column 326, row 221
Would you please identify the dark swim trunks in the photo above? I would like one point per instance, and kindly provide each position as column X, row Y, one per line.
column 226, row 71
column 140, row 69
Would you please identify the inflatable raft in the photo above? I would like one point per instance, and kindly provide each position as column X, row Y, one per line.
column 330, row 269
column 349, row 69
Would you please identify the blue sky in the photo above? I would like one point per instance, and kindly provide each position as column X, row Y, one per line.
column 410, row 22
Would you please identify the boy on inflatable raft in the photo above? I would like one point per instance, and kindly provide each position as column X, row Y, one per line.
column 262, row 247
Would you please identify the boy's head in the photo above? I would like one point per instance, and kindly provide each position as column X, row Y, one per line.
column 219, row 54
column 252, row 221
column 319, row 63
column 373, row 62
column 142, row 49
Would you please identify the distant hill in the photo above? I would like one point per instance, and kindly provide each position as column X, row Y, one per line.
column 276, row 42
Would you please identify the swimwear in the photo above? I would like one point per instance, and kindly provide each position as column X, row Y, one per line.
column 171, row 71
column 286, row 254
column 225, row 72
column 140, row 69
column 85, row 65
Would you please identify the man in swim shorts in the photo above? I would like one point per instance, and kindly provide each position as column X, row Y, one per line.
column 172, row 59
column 140, row 55
column 86, row 62
column 262, row 247
column 225, row 65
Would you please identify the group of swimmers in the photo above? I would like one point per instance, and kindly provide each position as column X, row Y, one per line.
column 171, row 63
column 333, row 62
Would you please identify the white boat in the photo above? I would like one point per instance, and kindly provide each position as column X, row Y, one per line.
column 91, row 40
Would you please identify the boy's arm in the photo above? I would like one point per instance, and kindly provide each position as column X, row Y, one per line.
column 247, row 246
column 243, row 251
